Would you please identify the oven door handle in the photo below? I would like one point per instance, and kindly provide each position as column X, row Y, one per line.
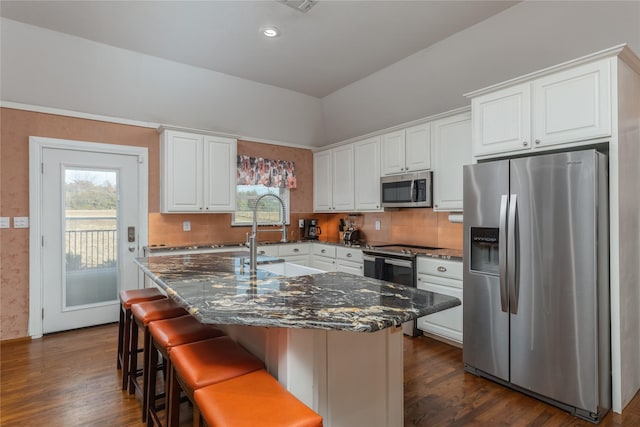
column 398, row 262
column 368, row 258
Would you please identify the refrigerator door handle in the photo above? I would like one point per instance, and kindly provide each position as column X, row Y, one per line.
column 502, row 253
column 512, row 251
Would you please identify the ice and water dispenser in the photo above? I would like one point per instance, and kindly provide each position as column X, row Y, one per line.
column 484, row 256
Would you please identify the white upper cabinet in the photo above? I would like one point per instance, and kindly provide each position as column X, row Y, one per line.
column 343, row 178
column 572, row 105
column 451, row 138
column 502, row 120
column 322, row 181
column 393, row 145
column 220, row 174
column 417, row 150
column 367, row 174
column 197, row 173
column 566, row 107
column 333, row 180
column 406, row 150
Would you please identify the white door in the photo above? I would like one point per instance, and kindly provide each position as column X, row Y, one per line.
column 90, row 232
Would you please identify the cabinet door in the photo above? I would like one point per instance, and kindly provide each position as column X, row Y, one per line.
column 367, row 174
column 350, row 267
column 322, row 176
column 418, row 148
column 573, row 105
column 446, row 323
column 343, row 178
column 323, row 263
column 502, row 121
column 219, row 174
column 452, row 150
column 181, row 172
column 393, row 145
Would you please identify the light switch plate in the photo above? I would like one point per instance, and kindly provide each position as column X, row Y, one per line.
column 4, row 222
column 301, row 223
column 186, row 225
column 377, row 224
column 20, row 222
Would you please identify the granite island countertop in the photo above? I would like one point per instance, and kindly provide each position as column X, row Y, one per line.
column 217, row 288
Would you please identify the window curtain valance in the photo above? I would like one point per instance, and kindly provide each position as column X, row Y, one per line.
column 270, row 173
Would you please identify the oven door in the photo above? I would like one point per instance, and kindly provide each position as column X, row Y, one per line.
column 394, row 270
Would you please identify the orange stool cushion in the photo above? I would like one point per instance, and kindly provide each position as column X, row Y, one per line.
column 210, row 361
column 150, row 311
column 254, row 399
column 181, row 330
column 133, row 296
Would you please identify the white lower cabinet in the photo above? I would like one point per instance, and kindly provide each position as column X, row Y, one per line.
column 297, row 253
column 349, row 260
column 443, row 277
column 323, row 257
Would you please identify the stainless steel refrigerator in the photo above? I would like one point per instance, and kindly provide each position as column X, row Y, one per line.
column 536, row 278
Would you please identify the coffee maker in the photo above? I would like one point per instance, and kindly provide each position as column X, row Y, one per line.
column 311, row 229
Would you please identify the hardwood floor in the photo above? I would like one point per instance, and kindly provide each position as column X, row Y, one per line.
column 70, row 379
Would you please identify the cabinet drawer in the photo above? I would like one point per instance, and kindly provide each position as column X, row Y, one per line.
column 298, row 259
column 349, row 254
column 267, row 250
column 440, row 267
column 324, row 250
column 293, row 249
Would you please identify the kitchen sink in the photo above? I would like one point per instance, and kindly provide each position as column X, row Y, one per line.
column 289, row 269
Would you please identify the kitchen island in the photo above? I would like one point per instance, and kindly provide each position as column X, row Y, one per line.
column 332, row 339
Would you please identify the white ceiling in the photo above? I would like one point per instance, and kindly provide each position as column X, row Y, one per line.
column 318, row 52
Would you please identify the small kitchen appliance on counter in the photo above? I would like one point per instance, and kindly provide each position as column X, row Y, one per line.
column 351, row 237
column 311, row 229
column 396, row 264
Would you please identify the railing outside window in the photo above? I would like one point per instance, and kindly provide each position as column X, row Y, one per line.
column 91, row 247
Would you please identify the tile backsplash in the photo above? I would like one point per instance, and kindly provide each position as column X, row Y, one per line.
column 422, row 227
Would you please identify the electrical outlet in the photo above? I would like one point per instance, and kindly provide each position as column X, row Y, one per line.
column 377, row 224
column 4, row 222
column 20, row 222
column 186, row 225
column 301, row 223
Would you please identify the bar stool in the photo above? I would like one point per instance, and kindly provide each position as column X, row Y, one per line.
column 166, row 334
column 143, row 314
column 127, row 298
column 204, row 363
column 253, row 399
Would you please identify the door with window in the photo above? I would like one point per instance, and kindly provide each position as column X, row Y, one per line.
column 90, row 235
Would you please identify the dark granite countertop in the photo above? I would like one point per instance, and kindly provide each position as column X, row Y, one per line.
column 215, row 288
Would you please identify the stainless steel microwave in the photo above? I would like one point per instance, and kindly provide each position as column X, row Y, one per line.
column 410, row 190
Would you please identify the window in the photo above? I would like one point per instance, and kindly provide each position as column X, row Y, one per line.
column 269, row 210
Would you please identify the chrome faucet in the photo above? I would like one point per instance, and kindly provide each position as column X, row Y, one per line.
column 253, row 247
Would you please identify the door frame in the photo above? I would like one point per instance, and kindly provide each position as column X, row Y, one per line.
column 36, row 146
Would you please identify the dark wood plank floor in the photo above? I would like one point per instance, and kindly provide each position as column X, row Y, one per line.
column 70, row 379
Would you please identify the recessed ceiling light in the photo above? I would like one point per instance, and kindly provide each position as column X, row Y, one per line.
column 270, row 32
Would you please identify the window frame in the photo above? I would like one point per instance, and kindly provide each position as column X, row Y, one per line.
column 284, row 193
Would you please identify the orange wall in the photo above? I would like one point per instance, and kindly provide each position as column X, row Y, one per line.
column 410, row 226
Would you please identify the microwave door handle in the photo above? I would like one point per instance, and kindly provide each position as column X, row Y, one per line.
column 502, row 253
column 511, row 257
column 414, row 191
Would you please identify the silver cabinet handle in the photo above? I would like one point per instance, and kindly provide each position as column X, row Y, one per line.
column 261, row 252
column 442, row 269
column 537, row 141
column 323, row 251
column 349, row 255
column 525, row 143
column 296, row 250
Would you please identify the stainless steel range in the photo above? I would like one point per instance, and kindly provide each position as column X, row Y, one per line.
column 396, row 264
